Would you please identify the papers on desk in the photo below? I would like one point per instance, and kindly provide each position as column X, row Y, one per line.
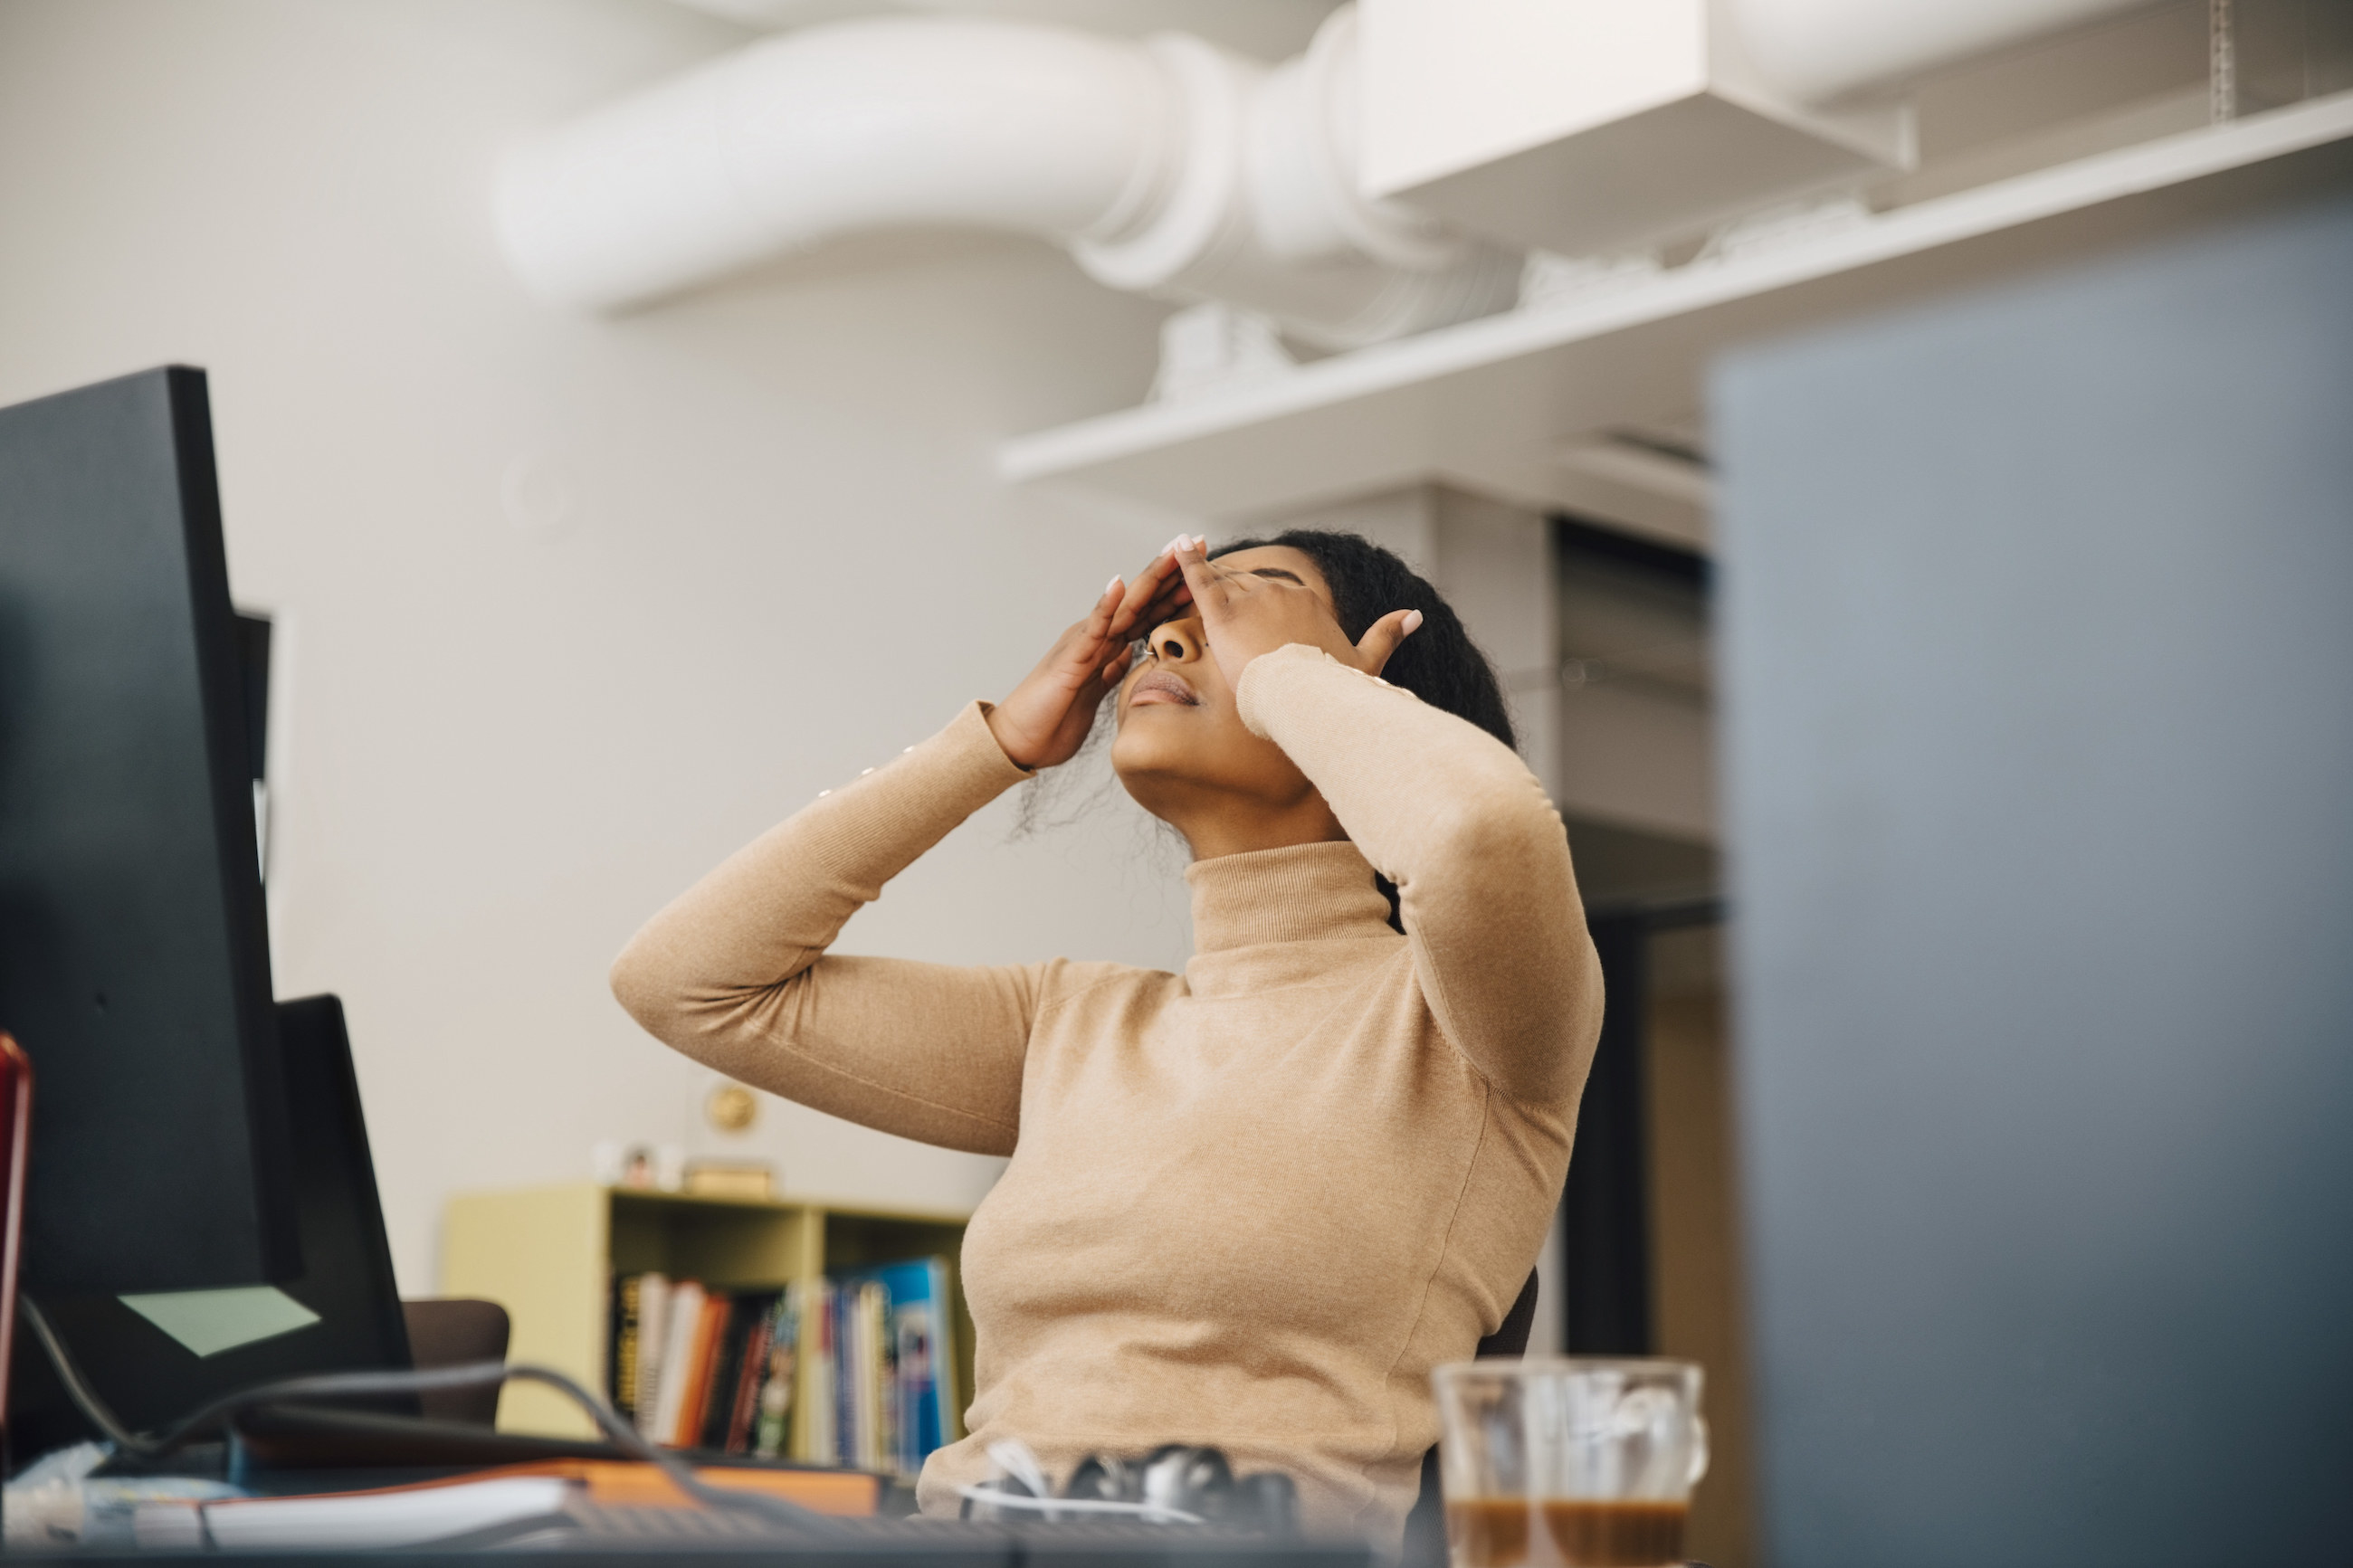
column 59, row 1501
column 405, row 1517
column 440, row 1511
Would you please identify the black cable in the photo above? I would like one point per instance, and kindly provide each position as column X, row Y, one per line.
column 356, row 1384
column 86, row 1400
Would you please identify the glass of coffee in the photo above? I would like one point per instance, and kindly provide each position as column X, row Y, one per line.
column 1569, row 1464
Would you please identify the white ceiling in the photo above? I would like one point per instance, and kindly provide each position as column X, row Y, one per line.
column 1268, row 29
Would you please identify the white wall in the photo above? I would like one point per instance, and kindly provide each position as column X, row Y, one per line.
column 570, row 608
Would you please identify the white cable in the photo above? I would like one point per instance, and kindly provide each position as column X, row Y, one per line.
column 978, row 1493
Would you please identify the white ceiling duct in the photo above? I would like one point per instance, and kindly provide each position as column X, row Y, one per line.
column 1168, row 165
column 1820, row 51
column 1262, row 29
column 1593, row 127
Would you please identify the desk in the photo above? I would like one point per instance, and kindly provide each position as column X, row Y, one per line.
column 892, row 1543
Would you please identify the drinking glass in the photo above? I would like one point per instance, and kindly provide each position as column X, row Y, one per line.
column 1569, row 1464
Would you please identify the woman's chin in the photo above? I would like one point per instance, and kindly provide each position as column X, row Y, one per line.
column 1149, row 753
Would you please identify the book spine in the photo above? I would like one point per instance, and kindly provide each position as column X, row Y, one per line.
column 889, row 1425
column 946, row 1414
column 808, row 1434
column 685, row 1317
column 834, row 1435
column 621, row 1349
column 750, row 1371
column 856, row 1422
column 780, row 1384
column 709, row 1324
column 853, row 1379
column 726, row 1366
column 838, row 1431
column 828, row 1447
column 654, row 1338
column 917, row 1388
column 743, row 1410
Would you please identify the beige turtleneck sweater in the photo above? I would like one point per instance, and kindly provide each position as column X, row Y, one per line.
column 1253, row 1204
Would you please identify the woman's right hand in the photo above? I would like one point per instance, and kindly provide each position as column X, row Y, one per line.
column 1046, row 718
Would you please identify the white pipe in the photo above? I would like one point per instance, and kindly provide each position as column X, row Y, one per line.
column 811, row 135
column 1818, row 50
column 1168, row 166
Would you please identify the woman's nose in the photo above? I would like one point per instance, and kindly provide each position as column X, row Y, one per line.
column 1177, row 642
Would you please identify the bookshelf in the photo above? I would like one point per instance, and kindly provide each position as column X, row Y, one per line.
column 549, row 1256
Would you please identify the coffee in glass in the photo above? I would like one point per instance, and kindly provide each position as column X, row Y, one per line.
column 1569, row 1464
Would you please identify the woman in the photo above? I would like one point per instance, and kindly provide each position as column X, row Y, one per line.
column 1252, row 1203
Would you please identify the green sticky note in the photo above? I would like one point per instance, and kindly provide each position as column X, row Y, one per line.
column 211, row 1321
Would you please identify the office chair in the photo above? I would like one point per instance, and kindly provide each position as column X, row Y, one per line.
column 1425, row 1527
column 449, row 1331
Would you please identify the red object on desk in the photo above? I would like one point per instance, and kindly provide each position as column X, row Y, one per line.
column 15, row 1135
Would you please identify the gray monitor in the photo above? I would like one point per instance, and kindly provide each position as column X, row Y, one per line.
column 2037, row 647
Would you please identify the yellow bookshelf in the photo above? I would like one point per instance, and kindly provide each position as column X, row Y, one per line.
column 549, row 1256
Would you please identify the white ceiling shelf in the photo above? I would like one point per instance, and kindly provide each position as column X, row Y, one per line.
column 1490, row 405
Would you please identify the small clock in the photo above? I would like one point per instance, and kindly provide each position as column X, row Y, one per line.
column 731, row 1108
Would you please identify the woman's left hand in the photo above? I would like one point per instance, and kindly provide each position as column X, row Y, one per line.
column 1045, row 719
column 1244, row 615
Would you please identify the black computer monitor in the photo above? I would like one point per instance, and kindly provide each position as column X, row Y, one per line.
column 341, row 1313
column 134, row 962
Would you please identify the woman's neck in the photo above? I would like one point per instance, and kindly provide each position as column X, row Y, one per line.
column 1244, row 826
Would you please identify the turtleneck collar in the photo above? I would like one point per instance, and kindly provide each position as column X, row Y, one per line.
column 1302, row 892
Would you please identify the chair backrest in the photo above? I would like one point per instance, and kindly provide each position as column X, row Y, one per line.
column 1511, row 1335
column 450, row 1330
column 1425, row 1527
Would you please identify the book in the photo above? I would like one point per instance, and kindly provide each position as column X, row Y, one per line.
column 853, row 1375
column 710, row 1325
column 436, row 1511
column 746, row 1311
column 737, row 1437
column 750, row 1370
column 923, row 1374
column 883, row 1377
column 817, row 1375
column 780, row 1379
column 408, row 1516
column 848, row 1444
column 683, row 1323
column 620, row 1483
column 654, row 1338
column 621, row 1360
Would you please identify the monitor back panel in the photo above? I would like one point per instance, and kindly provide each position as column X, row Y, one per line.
column 2038, row 649
column 133, row 958
column 345, row 1289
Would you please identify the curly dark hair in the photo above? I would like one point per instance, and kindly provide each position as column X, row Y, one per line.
column 1439, row 663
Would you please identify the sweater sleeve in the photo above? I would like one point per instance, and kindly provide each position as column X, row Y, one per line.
column 1480, row 857
column 735, row 974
